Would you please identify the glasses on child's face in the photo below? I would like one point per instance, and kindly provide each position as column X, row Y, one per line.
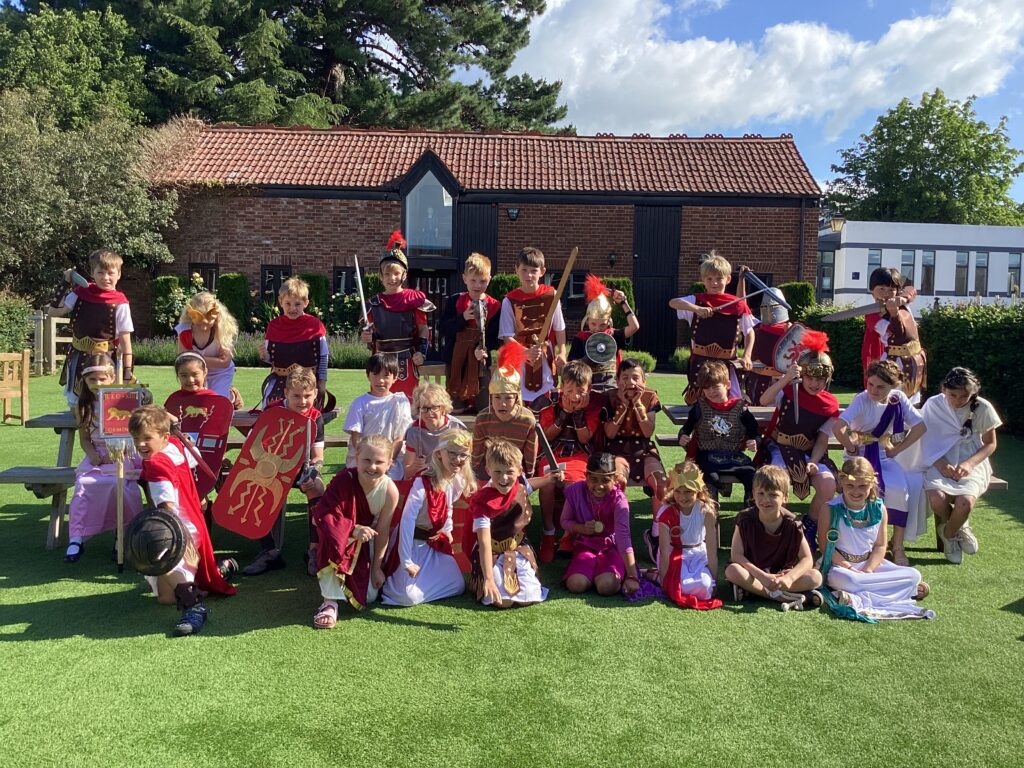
column 457, row 457
column 431, row 408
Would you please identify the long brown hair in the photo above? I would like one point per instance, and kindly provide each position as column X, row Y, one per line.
column 85, row 411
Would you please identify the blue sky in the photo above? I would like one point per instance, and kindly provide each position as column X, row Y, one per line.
column 822, row 71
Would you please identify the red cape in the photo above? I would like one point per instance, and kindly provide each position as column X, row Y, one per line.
column 489, row 502
column 872, row 348
column 405, row 300
column 96, row 295
column 342, row 507
column 462, row 304
column 518, row 294
column 718, row 299
column 284, row 330
column 823, row 404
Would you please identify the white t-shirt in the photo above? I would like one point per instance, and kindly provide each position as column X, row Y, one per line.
column 864, row 413
column 122, row 315
column 747, row 321
column 389, row 415
column 507, row 328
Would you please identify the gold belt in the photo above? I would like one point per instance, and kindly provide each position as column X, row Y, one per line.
column 800, row 442
column 909, row 349
column 866, row 438
column 715, row 350
column 90, row 345
column 506, row 545
column 767, row 371
column 853, row 558
column 286, row 371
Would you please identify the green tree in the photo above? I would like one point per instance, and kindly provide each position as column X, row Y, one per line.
column 931, row 162
column 64, row 194
column 323, row 62
column 80, row 60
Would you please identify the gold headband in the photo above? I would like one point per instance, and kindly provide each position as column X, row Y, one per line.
column 458, row 438
column 196, row 314
column 688, row 477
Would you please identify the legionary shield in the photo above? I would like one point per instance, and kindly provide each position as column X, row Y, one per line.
column 787, row 348
column 206, row 418
column 258, row 484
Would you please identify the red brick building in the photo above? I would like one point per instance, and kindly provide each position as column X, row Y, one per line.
column 270, row 202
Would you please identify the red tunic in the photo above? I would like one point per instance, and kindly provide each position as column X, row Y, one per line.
column 342, row 507
column 566, row 446
column 672, row 585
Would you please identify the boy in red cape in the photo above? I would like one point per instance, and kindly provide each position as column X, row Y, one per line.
column 598, row 319
column 797, row 436
column 523, row 312
column 715, row 329
column 773, row 326
column 398, row 318
column 891, row 334
column 295, row 340
column 167, row 468
column 101, row 322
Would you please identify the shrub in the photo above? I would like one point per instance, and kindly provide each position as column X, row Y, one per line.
column 233, row 292
column 680, row 359
column 800, row 296
column 319, row 290
column 344, row 351
column 156, row 350
column 646, row 359
column 344, row 315
column 262, row 314
column 15, row 325
column 625, row 285
column 347, row 352
column 695, row 288
column 501, row 284
column 170, row 295
column 844, row 340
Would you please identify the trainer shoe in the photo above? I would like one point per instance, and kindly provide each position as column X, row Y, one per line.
column 652, row 545
column 547, row 548
column 267, row 560
column 565, row 545
column 191, row 621
column 951, row 547
column 968, row 541
column 738, row 593
column 228, row 567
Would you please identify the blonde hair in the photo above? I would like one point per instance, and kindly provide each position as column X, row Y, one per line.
column 149, row 417
column 502, row 453
column 437, row 472
column 430, row 390
column 703, row 495
column 859, row 468
column 713, row 264
column 886, row 370
column 771, row 478
column 477, row 264
column 300, row 379
column 378, row 442
column 294, row 286
column 225, row 327
column 389, row 265
column 105, row 258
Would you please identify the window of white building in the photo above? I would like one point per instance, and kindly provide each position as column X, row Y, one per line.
column 960, row 280
column 981, row 274
column 928, row 272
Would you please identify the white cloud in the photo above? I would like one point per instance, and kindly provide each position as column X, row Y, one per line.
column 620, row 72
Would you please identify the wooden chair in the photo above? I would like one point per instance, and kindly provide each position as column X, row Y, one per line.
column 14, row 373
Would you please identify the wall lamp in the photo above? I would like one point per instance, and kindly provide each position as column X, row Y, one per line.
column 513, row 213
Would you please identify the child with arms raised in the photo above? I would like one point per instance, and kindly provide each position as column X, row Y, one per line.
column 379, row 411
column 770, row 556
column 598, row 319
column 891, row 333
column 629, row 416
column 353, row 520
column 853, row 561
column 207, row 328
column 93, row 502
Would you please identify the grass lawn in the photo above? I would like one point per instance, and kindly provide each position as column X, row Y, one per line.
column 89, row 676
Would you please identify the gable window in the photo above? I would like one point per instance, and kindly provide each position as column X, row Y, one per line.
column 271, row 278
column 207, row 272
column 960, row 280
column 428, row 218
column 928, row 272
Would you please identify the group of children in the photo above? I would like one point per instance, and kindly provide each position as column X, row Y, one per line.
column 422, row 500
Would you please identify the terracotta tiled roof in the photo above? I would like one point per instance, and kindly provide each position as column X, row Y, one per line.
column 512, row 162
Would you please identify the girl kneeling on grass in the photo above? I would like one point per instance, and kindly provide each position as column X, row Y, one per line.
column 352, row 522
column 864, row 585
column 422, row 565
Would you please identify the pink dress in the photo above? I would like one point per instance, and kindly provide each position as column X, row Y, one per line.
column 93, row 506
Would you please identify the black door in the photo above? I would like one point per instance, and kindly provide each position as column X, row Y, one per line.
column 655, row 278
column 476, row 229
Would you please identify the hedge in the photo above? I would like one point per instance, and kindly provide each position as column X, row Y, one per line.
column 800, row 296
column 501, row 284
column 15, row 325
column 233, row 292
column 319, row 289
column 844, row 341
column 344, row 352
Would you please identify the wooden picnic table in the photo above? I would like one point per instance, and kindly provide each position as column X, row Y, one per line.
column 677, row 413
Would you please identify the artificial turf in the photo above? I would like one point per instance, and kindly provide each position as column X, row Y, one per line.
column 89, row 675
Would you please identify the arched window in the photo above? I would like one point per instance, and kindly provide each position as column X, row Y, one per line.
column 428, row 218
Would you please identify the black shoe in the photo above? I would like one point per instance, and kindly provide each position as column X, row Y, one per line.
column 267, row 560
column 228, row 567
column 191, row 621
column 652, row 546
column 73, row 556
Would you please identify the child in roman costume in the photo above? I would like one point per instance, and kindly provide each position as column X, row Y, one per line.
column 93, row 507
column 598, row 319
column 505, row 418
column 431, row 407
column 379, row 411
column 892, row 334
column 167, row 468
column 688, row 540
column 867, row 427
column 718, row 430
column 523, row 312
column 207, row 328
column 769, row 555
column 797, row 435
column 860, row 582
column 504, row 565
column 422, row 567
column 398, row 317
column 294, row 340
column 774, row 324
column 466, row 345
column 352, row 521
column 101, row 322
column 597, row 514
column 716, row 329
column 629, row 416
column 952, row 459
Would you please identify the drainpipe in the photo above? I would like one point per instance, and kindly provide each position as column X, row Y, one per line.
column 800, row 255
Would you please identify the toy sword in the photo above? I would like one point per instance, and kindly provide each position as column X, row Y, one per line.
column 545, row 446
column 359, row 287
column 566, row 274
column 846, row 314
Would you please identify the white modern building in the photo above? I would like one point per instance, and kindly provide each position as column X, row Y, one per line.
column 948, row 263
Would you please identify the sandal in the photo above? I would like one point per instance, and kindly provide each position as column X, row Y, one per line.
column 899, row 556
column 923, row 590
column 74, row 557
column 326, row 616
